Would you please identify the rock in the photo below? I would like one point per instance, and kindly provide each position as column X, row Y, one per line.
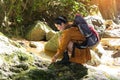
column 50, row 34
column 1, row 62
column 112, row 30
column 72, row 71
column 16, row 70
column 38, row 31
column 24, row 66
column 35, row 74
column 97, row 22
column 23, row 56
column 52, row 44
column 95, row 59
column 95, row 75
column 8, row 46
column 116, row 54
column 32, row 45
column 14, row 60
column 114, row 33
column 109, row 24
column 111, row 43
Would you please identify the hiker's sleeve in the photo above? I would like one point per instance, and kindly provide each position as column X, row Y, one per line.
column 63, row 41
column 68, row 35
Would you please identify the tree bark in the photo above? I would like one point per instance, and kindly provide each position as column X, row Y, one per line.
column 108, row 8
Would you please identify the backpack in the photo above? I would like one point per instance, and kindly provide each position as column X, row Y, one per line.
column 89, row 32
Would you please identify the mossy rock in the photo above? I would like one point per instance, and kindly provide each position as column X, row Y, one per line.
column 38, row 31
column 55, row 71
column 35, row 74
column 50, row 34
column 71, row 71
column 52, row 44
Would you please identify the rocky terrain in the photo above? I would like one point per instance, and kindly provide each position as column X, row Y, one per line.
column 30, row 59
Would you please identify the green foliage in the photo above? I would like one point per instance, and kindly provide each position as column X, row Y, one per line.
column 17, row 15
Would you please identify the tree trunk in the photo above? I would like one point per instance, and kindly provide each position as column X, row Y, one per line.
column 108, row 8
column 118, row 7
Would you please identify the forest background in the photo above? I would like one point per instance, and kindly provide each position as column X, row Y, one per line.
column 17, row 15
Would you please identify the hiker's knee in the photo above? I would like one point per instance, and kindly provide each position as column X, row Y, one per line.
column 70, row 46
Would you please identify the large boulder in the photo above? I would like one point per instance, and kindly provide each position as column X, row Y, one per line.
column 52, row 44
column 38, row 31
column 114, row 33
column 112, row 29
column 7, row 46
column 14, row 59
column 97, row 22
column 71, row 71
column 50, row 34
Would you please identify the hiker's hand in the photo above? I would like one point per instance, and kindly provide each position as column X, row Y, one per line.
column 54, row 59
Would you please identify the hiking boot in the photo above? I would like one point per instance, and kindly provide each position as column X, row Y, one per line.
column 65, row 59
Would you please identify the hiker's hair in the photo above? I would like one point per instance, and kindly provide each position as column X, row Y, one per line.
column 60, row 19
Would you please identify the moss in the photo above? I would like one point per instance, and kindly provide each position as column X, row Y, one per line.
column 54, row 72
column 8, row 58
column 16, row 70
column 23, row 66
column 37, row 31
column 52, row 44
column 34, row 74
column 70, row 71
column 24, row 56
column 15, row 44
column 20, row 56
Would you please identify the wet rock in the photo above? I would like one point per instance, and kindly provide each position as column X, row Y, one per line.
column 22, row 56
column 72, row 71
column 112, row 29
column 112, row 33
column 56, row 71
column 38, row 64
column 8, row 46
column 36, row 74
column 1, row 62
column 33, row 45
column 95, row 60
column 116, row 54
column 24, row 66
column 97, row 22
column 111, row 43
column 97, row 75
column 16, row 70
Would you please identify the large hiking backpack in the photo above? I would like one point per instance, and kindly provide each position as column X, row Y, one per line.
column 89, row 32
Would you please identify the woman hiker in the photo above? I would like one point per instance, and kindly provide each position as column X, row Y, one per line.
column 70, row 35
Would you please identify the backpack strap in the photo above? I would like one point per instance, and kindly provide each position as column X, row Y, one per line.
column 79, row 46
